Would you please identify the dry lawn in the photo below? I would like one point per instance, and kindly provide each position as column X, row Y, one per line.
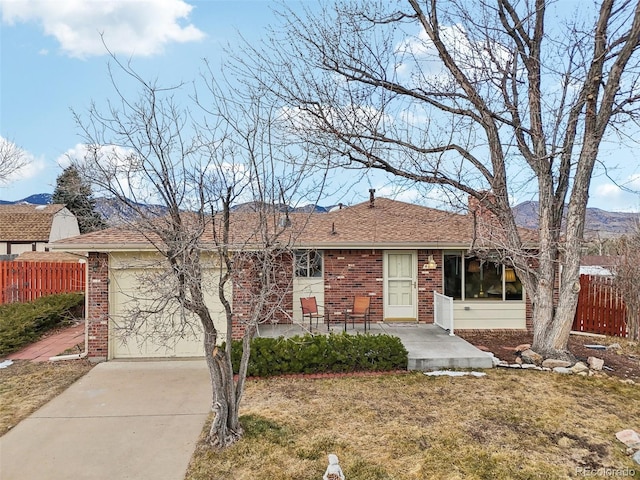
column 25, row 386
column 508, row 425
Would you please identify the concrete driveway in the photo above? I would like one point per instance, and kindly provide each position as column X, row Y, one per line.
column 123, row 420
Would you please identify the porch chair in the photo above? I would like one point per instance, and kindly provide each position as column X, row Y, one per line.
column 360, row 310
column 310, row 310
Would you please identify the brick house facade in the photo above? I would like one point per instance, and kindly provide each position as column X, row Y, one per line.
column 354, row 244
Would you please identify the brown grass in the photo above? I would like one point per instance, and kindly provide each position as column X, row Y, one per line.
column 25, row 386
column 508, row 425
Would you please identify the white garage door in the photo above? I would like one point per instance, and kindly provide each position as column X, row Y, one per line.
column 168, row 332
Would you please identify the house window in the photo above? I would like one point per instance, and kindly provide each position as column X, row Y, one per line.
column 308, row 264
column 453, row 276
column 471, row 278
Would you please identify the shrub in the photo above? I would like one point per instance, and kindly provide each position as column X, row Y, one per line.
column 322, row 354
column 23, row 323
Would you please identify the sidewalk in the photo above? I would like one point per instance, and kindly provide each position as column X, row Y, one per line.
column 51, row 345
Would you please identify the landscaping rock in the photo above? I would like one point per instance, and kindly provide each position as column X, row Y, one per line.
column 629, row 437
column 522, row 347
column 595, row 363
column 531, row 357
column 563, row 370
column 518, row 360
column 553, row 363
column 530, row 366
column 614, row 346
column 579, row 367
column 636, row 457
column 454, row 373
column 496, row 361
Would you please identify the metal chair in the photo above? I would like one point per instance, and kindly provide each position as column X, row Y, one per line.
column 310, row 310
column 360, row 310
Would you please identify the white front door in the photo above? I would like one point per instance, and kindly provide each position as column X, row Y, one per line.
column 400, row 286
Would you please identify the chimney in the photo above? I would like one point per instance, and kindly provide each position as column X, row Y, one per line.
column 477, row 207
column 372, row 198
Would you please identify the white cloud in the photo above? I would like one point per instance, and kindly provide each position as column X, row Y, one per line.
column 613, row 198
column 32, row 165
column 130, row 27
column 108, row 165
column 607, row 190
column 478, row 59
column 633, row 182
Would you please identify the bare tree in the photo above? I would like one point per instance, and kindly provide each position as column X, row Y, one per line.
column 471, row 97
column 12, row 159
column 627, row 279
column 196, row 163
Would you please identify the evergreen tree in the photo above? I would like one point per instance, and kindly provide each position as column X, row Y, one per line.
column 74, row 192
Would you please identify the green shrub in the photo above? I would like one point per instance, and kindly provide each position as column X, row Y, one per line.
column 322, row 354
column 24, row 323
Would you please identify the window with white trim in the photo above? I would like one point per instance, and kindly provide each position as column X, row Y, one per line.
column 308, row 264
column 472, row 278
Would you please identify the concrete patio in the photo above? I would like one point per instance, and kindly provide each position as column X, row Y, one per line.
column 429, row 346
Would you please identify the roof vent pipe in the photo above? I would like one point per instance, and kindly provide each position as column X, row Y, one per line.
column 372, row 198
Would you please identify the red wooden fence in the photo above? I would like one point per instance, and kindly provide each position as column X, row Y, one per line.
column 26, row 281
column 601, row 308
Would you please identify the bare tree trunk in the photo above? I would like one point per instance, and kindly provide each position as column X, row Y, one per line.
column 225, row 427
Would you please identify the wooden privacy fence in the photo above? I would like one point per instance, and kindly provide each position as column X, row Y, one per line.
column 26, row 281
column 601, row 308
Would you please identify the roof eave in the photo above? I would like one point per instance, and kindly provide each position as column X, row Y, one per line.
column 101, row 247
column 384, row 246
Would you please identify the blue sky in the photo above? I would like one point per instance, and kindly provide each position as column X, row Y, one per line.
column 52, row 61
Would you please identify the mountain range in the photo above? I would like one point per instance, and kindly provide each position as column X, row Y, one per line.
column 599, row 223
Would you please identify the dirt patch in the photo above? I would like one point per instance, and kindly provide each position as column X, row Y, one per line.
column 623, row 362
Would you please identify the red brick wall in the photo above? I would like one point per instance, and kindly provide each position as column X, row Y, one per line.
column 278, row 306
column 428, row 281
column 350, row 273
column 98, row 306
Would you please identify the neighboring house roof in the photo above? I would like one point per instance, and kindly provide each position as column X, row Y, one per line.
column 27, row 223
column 602, row 265
column 595, row 270
column 598, row 260
column 389, row 224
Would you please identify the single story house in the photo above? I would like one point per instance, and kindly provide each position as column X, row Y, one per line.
column 30, row 228
column 396, row 253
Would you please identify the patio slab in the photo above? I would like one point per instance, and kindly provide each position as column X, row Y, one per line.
column 429, row 346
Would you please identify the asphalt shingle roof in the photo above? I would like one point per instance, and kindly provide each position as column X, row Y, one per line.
column 27, row 223
column 388, row 224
